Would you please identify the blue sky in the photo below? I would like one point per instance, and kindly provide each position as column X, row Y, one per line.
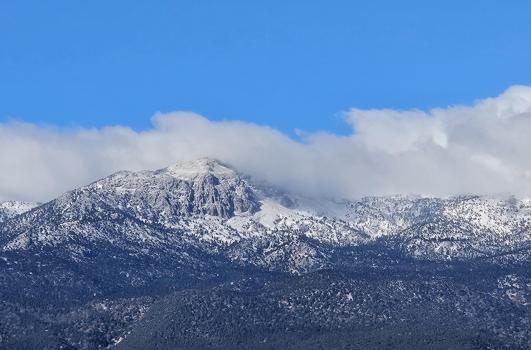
column 286, row 64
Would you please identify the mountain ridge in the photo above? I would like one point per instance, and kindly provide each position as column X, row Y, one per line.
column 212, row 202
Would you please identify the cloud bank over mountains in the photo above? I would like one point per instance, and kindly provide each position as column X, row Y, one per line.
column 484, row 148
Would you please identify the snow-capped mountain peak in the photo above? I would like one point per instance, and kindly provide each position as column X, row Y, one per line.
column 188, row 170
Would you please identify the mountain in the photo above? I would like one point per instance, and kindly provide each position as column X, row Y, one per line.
column 10, row 209
column 134, row 242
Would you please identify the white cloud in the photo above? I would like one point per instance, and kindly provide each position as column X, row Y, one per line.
column 483, row 148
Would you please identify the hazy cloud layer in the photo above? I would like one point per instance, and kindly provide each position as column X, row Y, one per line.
column 484, row 148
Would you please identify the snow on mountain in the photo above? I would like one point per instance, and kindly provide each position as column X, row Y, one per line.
column 192, row 169
column 10, row 209
column 210, row 207
column 457, row 227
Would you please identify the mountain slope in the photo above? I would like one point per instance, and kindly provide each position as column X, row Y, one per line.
column 11, row 209
column 330, row 310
